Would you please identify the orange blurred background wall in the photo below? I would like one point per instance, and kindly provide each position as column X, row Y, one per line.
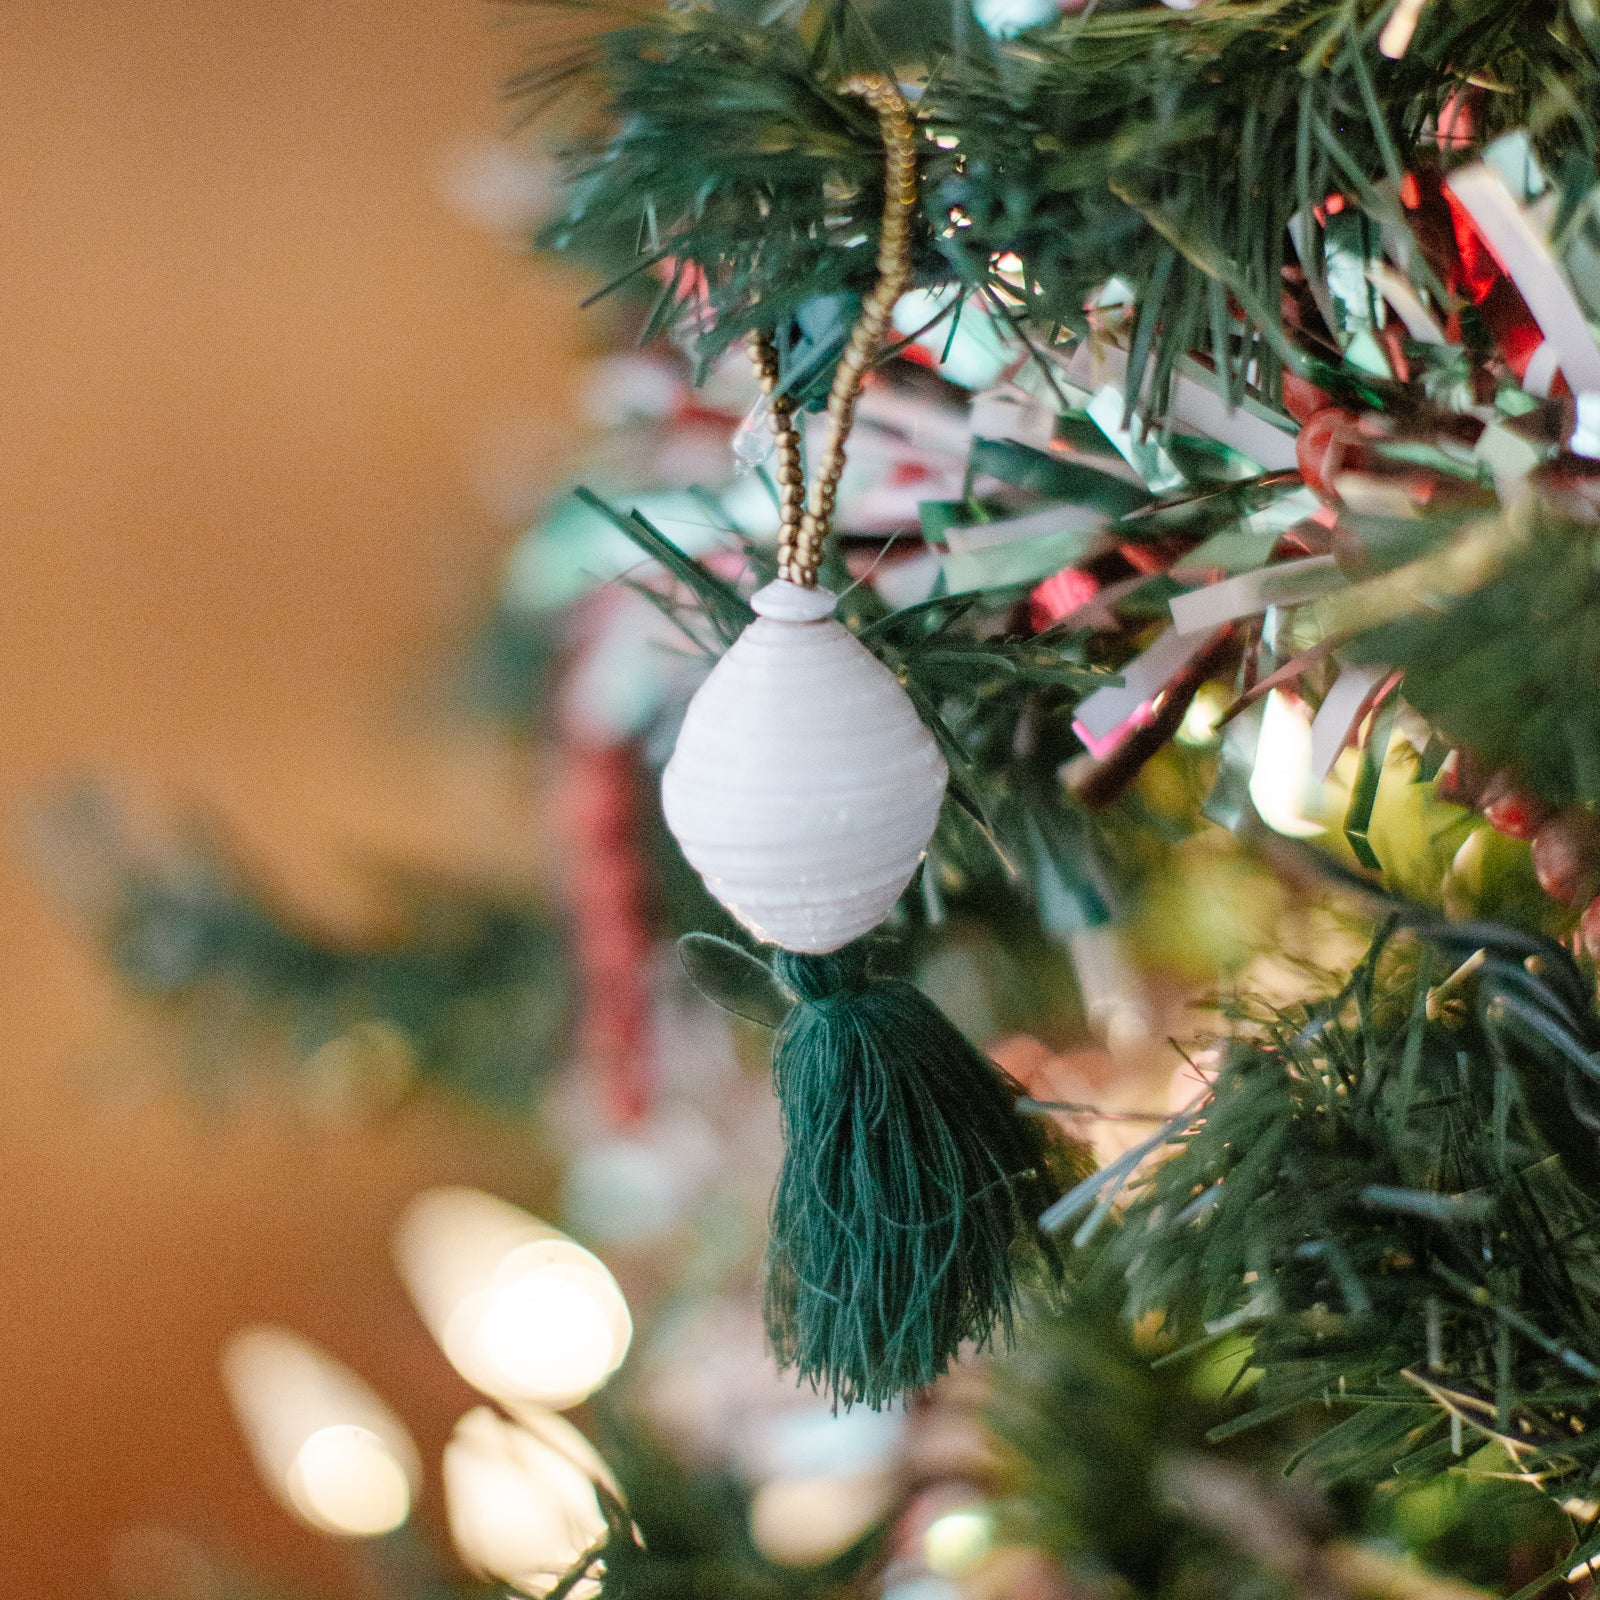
column 253, row 365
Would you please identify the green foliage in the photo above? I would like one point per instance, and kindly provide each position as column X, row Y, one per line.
column 471, row 996
column 685, row 1535
column 1397, row 1201
column 1108, row 1466
column 1167, row 149
column 1089, row 1427
column 1503, row 660
column 903, row 1222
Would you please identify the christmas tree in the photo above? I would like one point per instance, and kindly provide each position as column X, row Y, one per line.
column 1155, row 565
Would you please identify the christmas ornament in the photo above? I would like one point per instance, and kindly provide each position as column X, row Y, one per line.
column 804, row 789
column 908, row 1179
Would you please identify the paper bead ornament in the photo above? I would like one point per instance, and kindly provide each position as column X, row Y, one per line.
column 804, row 787
column 804, row 790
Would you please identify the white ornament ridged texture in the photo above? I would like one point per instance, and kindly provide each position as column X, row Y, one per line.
column 804, row 787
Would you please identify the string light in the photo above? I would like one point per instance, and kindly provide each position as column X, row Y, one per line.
column 1281, row 781
column 329, row 1450
column 522, row 1312
column 520, row 1497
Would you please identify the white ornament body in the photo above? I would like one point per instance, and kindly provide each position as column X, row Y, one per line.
column 804, row 787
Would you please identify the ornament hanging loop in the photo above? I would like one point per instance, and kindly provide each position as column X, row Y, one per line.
column 803, row 533
column 788, row 469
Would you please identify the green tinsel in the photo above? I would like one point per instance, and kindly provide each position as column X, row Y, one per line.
column 904, row 1222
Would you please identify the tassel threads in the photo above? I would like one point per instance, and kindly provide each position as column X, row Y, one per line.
column 904, row 1222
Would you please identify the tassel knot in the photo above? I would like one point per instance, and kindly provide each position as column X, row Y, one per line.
column 817, row 978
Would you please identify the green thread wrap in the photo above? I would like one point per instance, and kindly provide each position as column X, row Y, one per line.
column 905, row 1218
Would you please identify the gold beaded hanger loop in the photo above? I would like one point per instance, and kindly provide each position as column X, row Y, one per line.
column 804, row 520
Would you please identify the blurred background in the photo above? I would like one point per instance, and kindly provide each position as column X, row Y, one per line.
column 262, row 376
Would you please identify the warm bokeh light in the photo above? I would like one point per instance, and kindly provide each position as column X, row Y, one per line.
column 959, row 1541
column 804, row 1522
column 1199, row 727
column 547, row 1331
column 523, row 1313
column 326, row 1446
column 520, row 1498
column 344, row 1478
column 1281, row 780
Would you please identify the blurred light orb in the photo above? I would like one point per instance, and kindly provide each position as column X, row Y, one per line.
column 344, row 1480
column 520, row 1497
column 1004, row 19
column 958, row 1542
column 548, row 1331
column 806, row 1522
column 1282, row 786
column 923, row 1586
column 1199, row 728
column 631, row 1188
column 329, row 1450
column 522, row 1312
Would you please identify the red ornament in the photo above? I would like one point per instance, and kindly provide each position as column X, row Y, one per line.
column 1511, row 812
column 1516, row 815
column 1302, row 399
column 1566, row 856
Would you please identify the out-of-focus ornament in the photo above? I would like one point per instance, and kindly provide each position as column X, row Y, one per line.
column 1566, row 855
column 607, row 903
column 1589, row 929
column 805, row 789
column 327, row 1448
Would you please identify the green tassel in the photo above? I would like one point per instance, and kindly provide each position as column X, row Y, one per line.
column 905, row 1218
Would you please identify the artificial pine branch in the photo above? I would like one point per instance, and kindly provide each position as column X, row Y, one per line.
column 1394, row 1193
column 1167, row 148
column 1105, row 1463
column 462, row 989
